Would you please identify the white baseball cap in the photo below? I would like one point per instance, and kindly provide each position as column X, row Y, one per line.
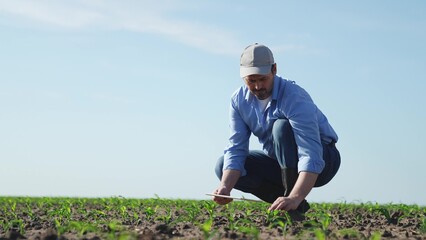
column 256, row 59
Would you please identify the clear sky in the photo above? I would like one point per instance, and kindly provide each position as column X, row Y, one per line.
column 106, row 98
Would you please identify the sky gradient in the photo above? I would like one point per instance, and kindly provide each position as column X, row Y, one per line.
column 108, row 98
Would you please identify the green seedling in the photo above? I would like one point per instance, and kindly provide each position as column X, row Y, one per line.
column 348, row 233
column 423, row 225
column 81, row 227
column 376, row 236
column 319, row 234
column 206, row 228
column 166, row 218
column 209, row 206
column 252, row 232
column 150, row 212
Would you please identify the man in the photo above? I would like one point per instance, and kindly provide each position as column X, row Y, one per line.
column 299, row 150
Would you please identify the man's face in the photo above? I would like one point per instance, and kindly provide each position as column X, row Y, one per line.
column 260, row 85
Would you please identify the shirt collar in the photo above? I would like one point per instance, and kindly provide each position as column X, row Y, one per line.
column 248, row 96
column 275, row 88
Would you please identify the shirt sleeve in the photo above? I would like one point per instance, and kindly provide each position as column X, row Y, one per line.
column 303, row 117
column 237, row 150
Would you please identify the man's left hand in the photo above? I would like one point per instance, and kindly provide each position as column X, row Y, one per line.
column 305, row 182
column 284, row 203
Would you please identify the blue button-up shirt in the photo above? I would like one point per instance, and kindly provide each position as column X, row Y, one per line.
column 290, row 101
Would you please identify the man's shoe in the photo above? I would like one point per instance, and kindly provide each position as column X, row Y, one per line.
column 299, row 214
column 289, row 177
column 303, row 206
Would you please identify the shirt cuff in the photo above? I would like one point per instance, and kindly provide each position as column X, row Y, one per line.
column 310, row 165
column 234, row 165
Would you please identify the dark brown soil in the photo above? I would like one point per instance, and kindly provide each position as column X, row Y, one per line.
column 240, row 220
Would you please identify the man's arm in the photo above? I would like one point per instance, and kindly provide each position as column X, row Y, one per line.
column 229, row 179
column 235, row 153
column 304, row 184
column 304, row 116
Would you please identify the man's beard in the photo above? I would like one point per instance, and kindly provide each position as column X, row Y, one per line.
column 261, row 94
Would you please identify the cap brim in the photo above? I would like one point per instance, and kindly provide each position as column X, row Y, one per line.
column 247, row 71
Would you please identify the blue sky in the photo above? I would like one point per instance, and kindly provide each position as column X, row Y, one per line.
column 107, row 98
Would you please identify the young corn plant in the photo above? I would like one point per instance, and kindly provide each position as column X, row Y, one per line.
column 150, row 212
column 12, row 213
column 271, row 216
column 61, row 214
column 4, row 225
column 17, row 224
column 206, row 228
column 192, row 213
column 324, row 220
column 252, row 232
column 123, row 211
column 60, row 229
column 423, row 226
column 393, row 217
column 284, row 225
column 376, row 236
column 209, row 206
column 231, row 221
column 358, row 218
column 385, row 213
column 348, row 233
column 114, row 227
column 319, row 234
column 96, row 214
column 166, row 218
column 29, row 210
column 135, row 218
column 277, row 218
column 81, row 227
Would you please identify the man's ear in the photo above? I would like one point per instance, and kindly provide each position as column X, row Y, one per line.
column 274, row 69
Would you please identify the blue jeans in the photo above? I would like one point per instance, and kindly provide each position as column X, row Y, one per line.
column 263, row 177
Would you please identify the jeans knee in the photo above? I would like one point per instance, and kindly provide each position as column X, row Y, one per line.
column 280, row 129
column 219, row 167
column 284, row 144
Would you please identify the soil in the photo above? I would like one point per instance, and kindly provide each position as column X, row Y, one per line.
column 332, row 223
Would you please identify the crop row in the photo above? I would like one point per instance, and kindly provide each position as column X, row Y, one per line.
column 128, row 218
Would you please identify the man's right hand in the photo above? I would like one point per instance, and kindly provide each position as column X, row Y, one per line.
column 229, row 179
column 222, row 190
